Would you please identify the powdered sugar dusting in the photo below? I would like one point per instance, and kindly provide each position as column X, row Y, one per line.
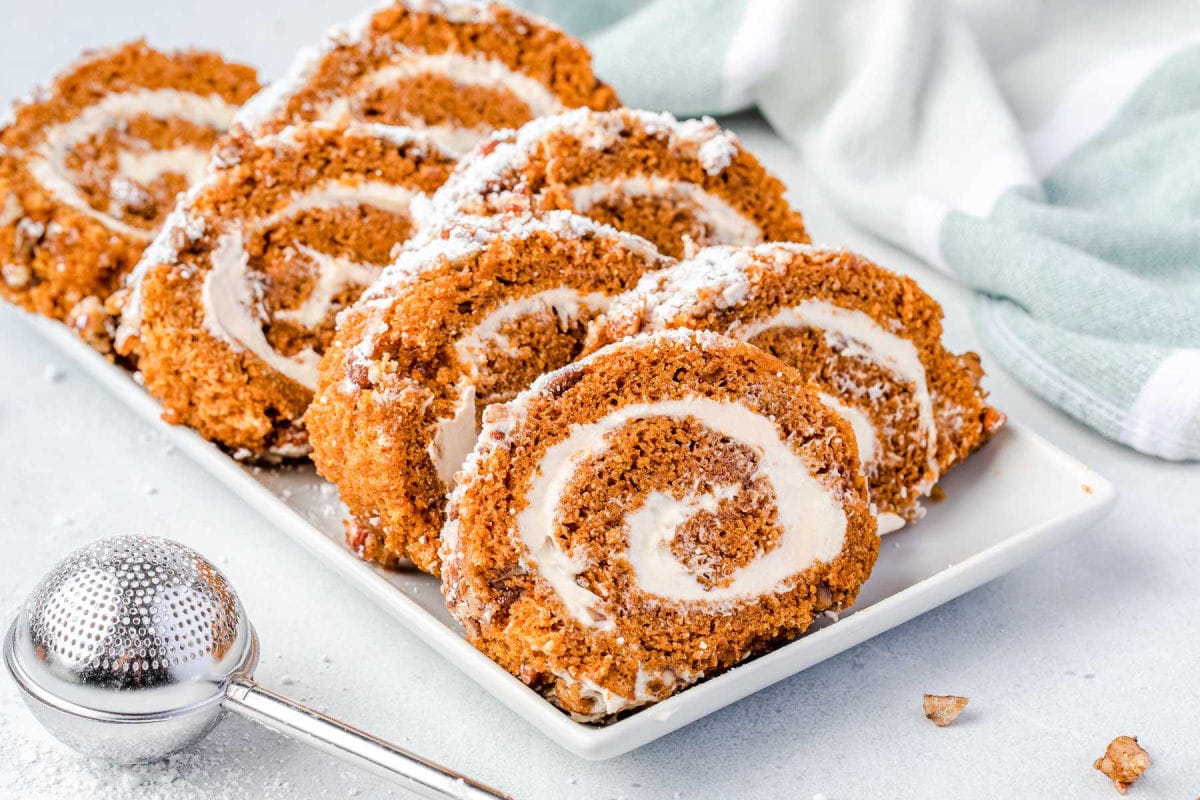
column 271, row 102
column 226, row 765
column 465, row 236
column 488, row 177
column 409, row 139
column 713, row 279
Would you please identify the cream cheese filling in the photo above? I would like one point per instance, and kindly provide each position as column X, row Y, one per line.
column 868, row 452
column 233, row 308
column 145, row 167
column 48, row 163
column 233, row 311
column 864, row 428
column 454, row 437
column 813, row 523
column 565, row 303
column 335, row 274
column 336, row 194
column 463, row 70
column 863, row 337
column 726, row 225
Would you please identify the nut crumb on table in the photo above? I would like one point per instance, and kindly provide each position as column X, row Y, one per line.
column 943, row 709
column 1123, row 761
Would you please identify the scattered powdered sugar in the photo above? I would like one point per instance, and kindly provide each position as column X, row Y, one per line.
column 273, row 98
column 718, row 150
column 713, row 279
column 275, row 95
column 427, row 248
column 493, row 166
column 33, row 766
column 466, row 236
column 355, row 32
column 410, row 139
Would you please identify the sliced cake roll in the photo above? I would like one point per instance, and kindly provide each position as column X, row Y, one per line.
column 233, row 304
column 668, row 181
column 90, row 166
column 458, row 70
column 868, row 338
column 465, row 318
column 651, row 515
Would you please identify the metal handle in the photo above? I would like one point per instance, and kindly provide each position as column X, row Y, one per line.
column 307, row 725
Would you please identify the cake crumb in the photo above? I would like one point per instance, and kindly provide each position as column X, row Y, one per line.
column 52, row 373
column 1123, row 762
column 943, row 709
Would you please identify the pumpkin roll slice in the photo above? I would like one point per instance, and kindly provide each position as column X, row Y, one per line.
column 458, row 70
column 671, row 182
column 234, row 303
column 870, row 339
column 90, row 166
column 651, row 515
column 466, row 317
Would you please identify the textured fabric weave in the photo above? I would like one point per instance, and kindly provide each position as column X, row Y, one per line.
column 1046, row 153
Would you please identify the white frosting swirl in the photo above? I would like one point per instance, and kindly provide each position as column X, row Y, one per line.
column 454, row 436
column 857, row 334
column 462, row 69
column 48, row 163
column 813, row 523
column 565, row 303
column 726, row 225
column 232, row 301
column 863, row 427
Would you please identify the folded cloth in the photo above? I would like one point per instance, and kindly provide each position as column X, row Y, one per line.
column 1044, row 152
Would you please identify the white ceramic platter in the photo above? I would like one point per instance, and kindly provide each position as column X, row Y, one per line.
column 1008, row 503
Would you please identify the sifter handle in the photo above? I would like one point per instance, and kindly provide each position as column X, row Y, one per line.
column 307, row 725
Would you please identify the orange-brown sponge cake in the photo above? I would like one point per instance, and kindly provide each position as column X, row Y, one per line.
column 233, row 304
column 464, row 318
column 90, row 166
column 678, row 184
column 869, row 339
column 458, row 70
column 651, row 515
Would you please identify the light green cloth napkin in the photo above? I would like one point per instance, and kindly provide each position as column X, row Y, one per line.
column 1044, row 152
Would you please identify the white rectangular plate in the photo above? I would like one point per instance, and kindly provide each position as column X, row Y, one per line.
column 1009, row 502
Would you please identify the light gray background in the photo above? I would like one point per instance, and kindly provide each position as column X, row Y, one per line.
column 1099, row 638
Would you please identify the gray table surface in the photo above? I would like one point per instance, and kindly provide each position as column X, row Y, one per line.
column 1100, row 637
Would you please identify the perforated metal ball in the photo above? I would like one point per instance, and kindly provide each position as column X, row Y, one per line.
column 126, row 612
column 134, row 630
